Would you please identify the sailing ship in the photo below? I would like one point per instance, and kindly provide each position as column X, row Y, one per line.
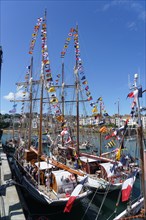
column 44, row 178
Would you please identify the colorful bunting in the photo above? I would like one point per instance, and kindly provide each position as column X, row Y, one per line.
column 34, row 35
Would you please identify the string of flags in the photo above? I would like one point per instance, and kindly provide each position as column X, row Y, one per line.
column 80, row 69
column 34, row 35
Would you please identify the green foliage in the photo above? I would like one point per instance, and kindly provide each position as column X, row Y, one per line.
column 4, row 124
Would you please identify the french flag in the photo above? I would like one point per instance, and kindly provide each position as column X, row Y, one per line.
column 72, row 198
column 133, row 94
column 127, row 186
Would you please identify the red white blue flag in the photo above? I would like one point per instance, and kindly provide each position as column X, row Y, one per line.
column 127, row 186
column 72, row 198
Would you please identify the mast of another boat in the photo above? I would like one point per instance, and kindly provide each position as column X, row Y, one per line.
column 100, row 136
column 62, row 96
column 140, row 142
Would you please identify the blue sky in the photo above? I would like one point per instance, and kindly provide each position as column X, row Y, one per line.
column 112, row 36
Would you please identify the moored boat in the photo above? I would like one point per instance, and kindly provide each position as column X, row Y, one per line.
column 38, row 175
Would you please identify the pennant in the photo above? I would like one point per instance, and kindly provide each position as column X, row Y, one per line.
column 12, row 111
column 103, row 129
column 128, row 185
column 90, row 98
column 83, row 78
column 105, row 114
column 85, row 82
column 92, row 103
column 54, row 100
column 51, row 89
column 94, row 109
column 19, row 87
column 88, row 93
column 111, row 144
column 99, row 99
column 86, row 88
column 108, row 137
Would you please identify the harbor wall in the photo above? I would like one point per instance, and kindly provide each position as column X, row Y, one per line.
column 10, row 204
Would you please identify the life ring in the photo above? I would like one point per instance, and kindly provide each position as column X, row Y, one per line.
column 72, row 177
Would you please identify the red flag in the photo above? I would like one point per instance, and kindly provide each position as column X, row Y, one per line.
column 69, row 204
column 107, row 137
column 130, row 95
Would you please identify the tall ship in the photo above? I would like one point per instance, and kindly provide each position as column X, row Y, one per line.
column 47, row 180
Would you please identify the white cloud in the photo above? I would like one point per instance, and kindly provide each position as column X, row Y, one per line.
column 106, row 7
column 10, row 96
column 142, row 16
column 139, row 10
column 132, row 26
column 135, row 7
column 17, row 95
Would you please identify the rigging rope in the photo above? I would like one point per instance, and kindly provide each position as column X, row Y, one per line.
column 105, row 195
column 117, row 203
column 89, row 204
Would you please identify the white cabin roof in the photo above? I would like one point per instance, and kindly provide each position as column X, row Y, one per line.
column 43, row 165
column 109, row 168
column 87, row 159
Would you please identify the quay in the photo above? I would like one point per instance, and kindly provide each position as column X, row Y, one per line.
column 11, row 208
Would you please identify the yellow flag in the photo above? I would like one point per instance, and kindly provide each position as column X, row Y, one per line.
column 118, row 155
column 103, row 129
column 94, row 109
column 54, row 100
column 51, row 89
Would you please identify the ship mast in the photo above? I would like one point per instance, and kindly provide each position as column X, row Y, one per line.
column 41, row 103
column 140, row 143
column 77, row 93
column 30, row 112
column 62, row 97
column 100, row 137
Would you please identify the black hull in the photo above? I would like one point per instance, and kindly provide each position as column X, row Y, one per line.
column 32, row 190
